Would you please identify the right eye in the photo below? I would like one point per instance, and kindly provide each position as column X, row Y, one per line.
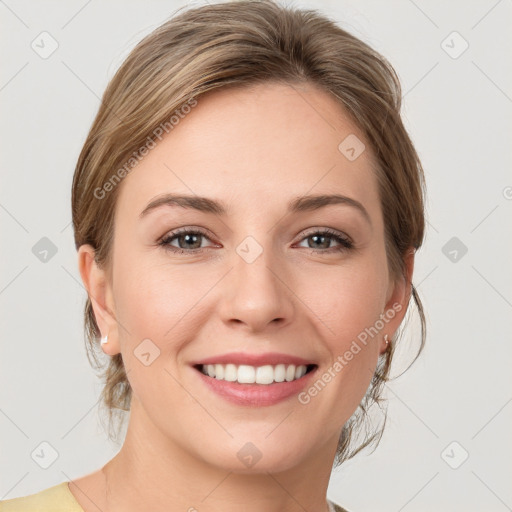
column 183, row 237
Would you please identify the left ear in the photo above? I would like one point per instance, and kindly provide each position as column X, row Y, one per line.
column 399, row 295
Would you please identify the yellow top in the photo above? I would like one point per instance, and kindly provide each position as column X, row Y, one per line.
column 60, row 499
column 53, row 499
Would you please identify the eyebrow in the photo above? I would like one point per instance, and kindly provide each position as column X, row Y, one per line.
column 296, row 205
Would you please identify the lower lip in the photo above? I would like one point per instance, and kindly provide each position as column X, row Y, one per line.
column 256, row 395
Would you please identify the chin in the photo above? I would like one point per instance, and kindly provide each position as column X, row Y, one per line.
column 246, row 457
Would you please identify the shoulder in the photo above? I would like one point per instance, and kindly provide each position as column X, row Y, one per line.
column 57, row 498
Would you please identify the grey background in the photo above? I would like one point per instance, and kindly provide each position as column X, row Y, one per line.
column 459, row 114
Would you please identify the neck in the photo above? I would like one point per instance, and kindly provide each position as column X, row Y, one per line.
column 150, row 472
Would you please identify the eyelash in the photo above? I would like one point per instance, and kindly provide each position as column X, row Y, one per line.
column 346, row 243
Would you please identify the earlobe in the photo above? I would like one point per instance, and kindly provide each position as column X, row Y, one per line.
column 97, row 285
column 398, row 301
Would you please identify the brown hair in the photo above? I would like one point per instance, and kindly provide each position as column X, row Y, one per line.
column 237, row 44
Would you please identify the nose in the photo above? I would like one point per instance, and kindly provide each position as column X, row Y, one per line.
column 256, row 295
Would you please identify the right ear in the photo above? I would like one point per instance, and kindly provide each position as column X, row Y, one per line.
column 98, row 287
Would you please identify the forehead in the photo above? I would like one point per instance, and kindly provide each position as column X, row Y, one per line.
column 261, row 143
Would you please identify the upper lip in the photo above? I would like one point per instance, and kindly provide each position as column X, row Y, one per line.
column 268, row 358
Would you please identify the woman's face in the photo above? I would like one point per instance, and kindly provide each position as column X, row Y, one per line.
column 260, row 279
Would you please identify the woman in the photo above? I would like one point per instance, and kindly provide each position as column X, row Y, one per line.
column 246, row 211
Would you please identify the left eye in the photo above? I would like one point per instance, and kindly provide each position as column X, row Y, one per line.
column 319, row 237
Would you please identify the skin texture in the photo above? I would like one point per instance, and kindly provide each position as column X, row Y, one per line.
column 254, row 149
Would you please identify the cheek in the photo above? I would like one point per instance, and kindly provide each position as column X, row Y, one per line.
column 166, row 303
column 348, row 304
column 154, row 305
column 348, row 312
column 346, row 300
column 150, row 293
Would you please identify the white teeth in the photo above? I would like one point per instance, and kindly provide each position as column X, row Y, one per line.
column 290, row 373
column 219, row 371
column 230, row 372
column 280, row 373
column 264, row 375
column 245, row 374
column 300, row 371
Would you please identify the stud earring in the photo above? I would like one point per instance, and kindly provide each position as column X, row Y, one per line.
column 386, row 339
column 104, row 340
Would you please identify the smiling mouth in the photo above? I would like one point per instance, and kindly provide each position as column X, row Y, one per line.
column 246, row 374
